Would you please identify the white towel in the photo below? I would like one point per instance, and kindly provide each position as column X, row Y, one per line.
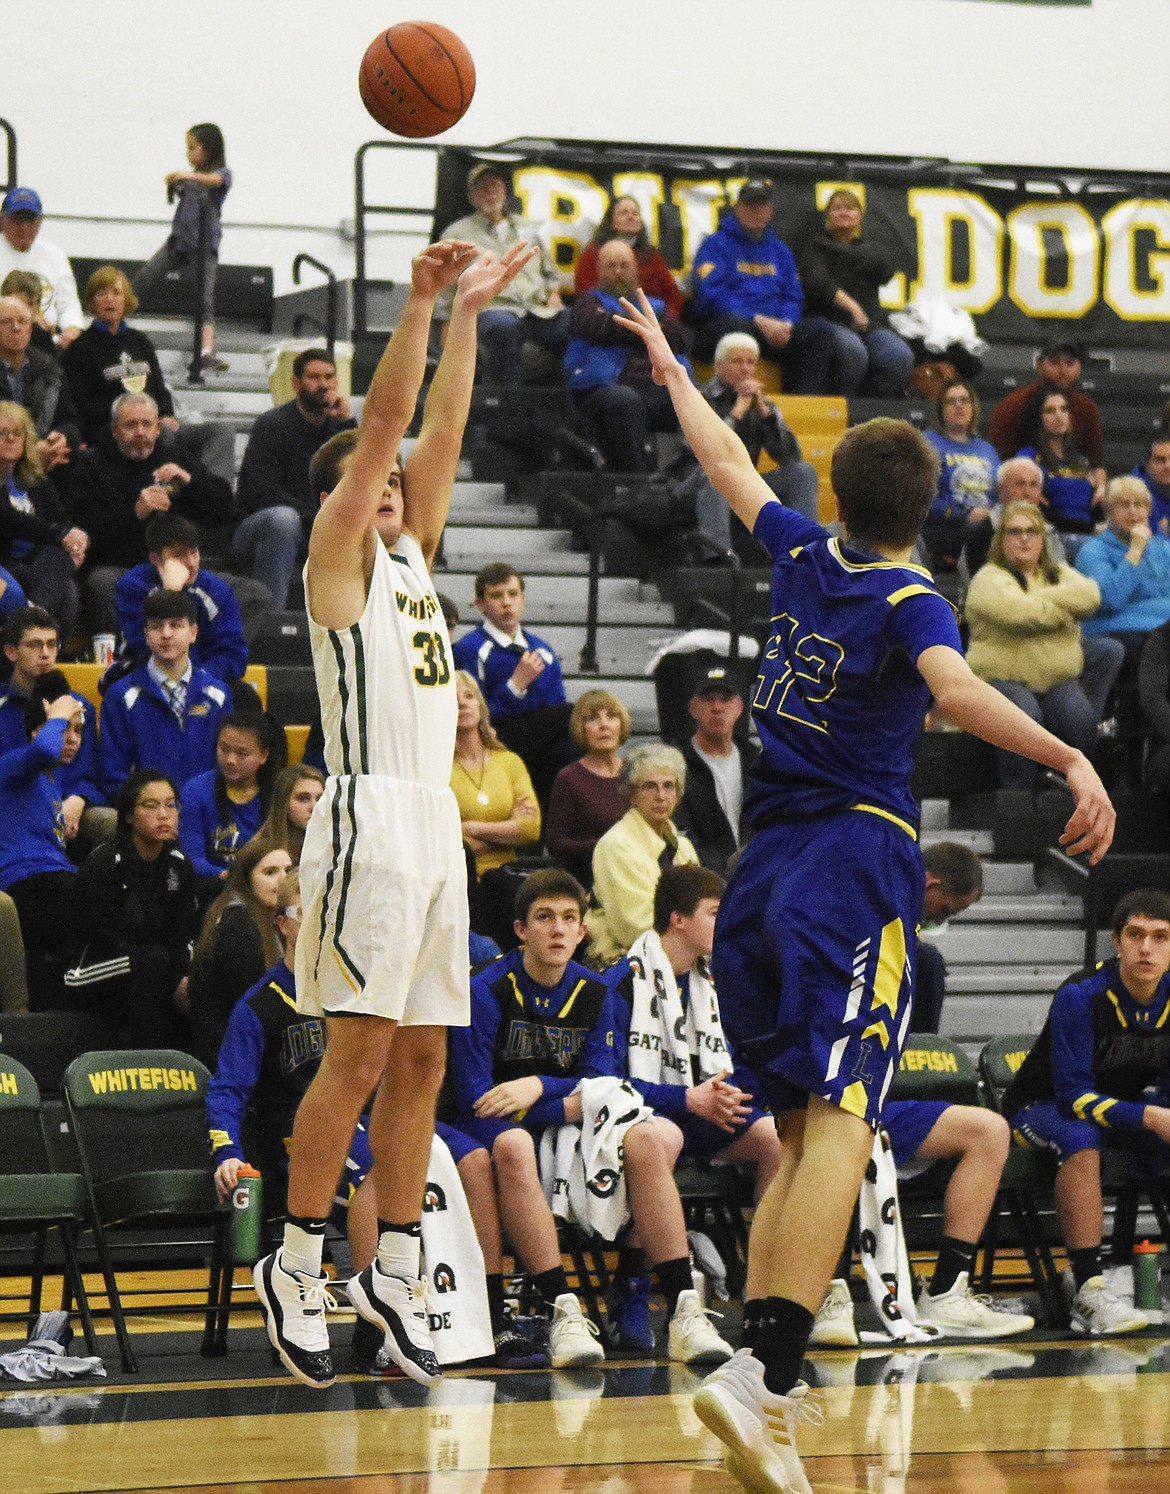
column 663, row 1038
column 581, row 1166
column 460, row 1319
column 883, row 1250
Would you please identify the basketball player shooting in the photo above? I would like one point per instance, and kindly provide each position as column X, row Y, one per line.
column 383, row 948
column 815, row 942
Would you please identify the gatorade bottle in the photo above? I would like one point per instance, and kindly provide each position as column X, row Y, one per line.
column 1146, row 1266
column 246, row 1227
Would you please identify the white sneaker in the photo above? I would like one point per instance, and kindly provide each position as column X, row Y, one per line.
column 755, row 1426
column 692, row 1338
column 294, row 1306
column 959, row 1313
column 834, row 1323
column 573, row 1338
column 399, row 1308
column 1096, row 1311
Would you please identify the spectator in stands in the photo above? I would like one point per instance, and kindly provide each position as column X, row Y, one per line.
column 1058, row 366
column 967, row 474
column 129, row 475
column 237, row 943
column 1072, row 490
column 35, row 872
column 1131, row 567
column 222, row 809
column 519, row 675
column 1024, row 614
column 737, row 395
column 842, row 274
column 716, row 766
column 22, row 248
column 1155, row 473
column 745, row 280
column 273, row 491
column 630, row 857
column 1097, row 1079
column 541, row 1023
column 954, row 880
column 1019, row 480
column 586, row 799
column 166, row 713
column 31, row 642
column 174, row 562
column 530, row 309
column 622, row 220
column 497, row 805
column 198, row 192
column 136, row 917
column 111, row 357
column 39, row 543
column 35, row 380
column 35, row 291
column 608, row 370
column 294, row 797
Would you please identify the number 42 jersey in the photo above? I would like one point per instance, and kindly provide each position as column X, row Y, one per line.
column 839, row 702
column 386, row 684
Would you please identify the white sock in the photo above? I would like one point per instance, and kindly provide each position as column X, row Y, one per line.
column 302, row 1250
column 399, row 1254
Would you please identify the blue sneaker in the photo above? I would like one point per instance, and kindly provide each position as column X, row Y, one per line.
column 630, row 1314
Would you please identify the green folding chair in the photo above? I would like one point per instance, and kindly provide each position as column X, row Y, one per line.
column 139, row 1123
column 35, row 1198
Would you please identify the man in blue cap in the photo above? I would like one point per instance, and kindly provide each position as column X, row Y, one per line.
column 22, row 248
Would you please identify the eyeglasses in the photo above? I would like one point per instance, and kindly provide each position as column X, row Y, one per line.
column 1026, row 533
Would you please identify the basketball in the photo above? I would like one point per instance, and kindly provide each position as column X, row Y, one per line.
column 416, row 79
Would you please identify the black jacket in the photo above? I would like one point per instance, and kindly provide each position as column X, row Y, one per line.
column 700, row 815
column 46, row 396
column 48, row 523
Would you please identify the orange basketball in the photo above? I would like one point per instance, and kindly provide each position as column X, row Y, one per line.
column 416, row 79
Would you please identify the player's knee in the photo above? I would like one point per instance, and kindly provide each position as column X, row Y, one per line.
column 514, row 1156
column 644, row 1148
column 475, row 1173
column 988, row 1135
column 418, row 1059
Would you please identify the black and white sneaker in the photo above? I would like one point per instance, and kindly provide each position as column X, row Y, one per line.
column 515, row 1350
column 399, row 1309
column 294, row 1306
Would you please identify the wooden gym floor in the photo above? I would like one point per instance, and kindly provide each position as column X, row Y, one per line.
column 1044, row 1414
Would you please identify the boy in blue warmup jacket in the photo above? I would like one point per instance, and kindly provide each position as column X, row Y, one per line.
column 166, row 714
column 816, row 933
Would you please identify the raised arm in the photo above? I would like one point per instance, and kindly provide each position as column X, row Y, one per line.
column 430, row 469
column 723, row 455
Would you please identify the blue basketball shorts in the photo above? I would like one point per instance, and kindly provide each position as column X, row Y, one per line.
column 1046, row 1126
column 815, row 946
column 908, row 1123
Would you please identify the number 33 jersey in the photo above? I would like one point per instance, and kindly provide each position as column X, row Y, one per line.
column 387, row 684
column 839, row 702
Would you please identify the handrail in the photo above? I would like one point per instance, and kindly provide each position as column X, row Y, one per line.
column 589, row 525
column 330, row 328
column 364, row 209
column 10, row 176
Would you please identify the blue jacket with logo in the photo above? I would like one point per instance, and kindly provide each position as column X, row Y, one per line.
column 34, row 825
column 219, row 646
column 736, row 275
column 492, row 665
column 78, row 777
column 139, row 729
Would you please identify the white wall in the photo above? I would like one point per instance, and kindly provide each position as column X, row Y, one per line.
column 101, row 95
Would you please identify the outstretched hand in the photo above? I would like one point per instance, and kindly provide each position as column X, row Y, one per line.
column 440, row 265
column 641, row 320
column 486, row 278
column 1090, row 827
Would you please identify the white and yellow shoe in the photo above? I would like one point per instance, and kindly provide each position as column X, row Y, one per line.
column 692, row 1336
column 755, row 1426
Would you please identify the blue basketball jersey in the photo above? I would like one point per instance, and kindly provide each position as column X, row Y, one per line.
column 839, row 702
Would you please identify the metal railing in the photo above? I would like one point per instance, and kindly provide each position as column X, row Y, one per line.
column 330, row 326
column 10, row 177
column 588, row 524
column 364, row 210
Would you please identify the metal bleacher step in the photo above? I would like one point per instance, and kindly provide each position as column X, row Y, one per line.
column 996, row 980
column 979, row 841
column 463, row 539
column 560, row 598
column 965, row 943
column 635, row 691
column 1025, row 907
column 972, row 1020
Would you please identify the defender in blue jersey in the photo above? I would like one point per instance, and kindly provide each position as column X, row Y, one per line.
column 1097, row 1078
column 816, row 932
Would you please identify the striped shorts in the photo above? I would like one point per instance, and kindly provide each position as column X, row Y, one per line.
column 384, row 905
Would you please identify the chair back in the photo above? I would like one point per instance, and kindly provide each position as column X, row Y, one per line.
column 24, row 1151
column 1000, row 1062
column 933, row 1068
column 138, row 1110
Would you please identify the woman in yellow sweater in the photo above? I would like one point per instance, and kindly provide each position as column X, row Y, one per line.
column 1024, row 614
column 497, row 806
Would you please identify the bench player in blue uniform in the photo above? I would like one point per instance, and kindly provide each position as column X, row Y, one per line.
column 817, row 930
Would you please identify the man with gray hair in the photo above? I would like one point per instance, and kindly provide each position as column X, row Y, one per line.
column 1019, row 480
column 128, row 475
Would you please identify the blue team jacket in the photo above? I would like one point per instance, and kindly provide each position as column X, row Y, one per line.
column 209, row 836
column 34, row 825
column 79, row 777
column 734, row 275
column 492, row 665
column 219, row 647
column 139, row 729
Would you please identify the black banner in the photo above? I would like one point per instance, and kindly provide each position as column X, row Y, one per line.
column 1029, row 252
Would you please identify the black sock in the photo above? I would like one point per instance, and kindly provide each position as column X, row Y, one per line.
column 631, row 1262
column 674, row 1277
column 781, row 1339
column 1085, row 1264
column 495, row 1291
column 753, row 1311
column 310, row 1226
column 954, row 1257
column 552, row 1284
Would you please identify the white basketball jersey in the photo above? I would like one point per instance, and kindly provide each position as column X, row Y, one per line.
column 386, row 684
